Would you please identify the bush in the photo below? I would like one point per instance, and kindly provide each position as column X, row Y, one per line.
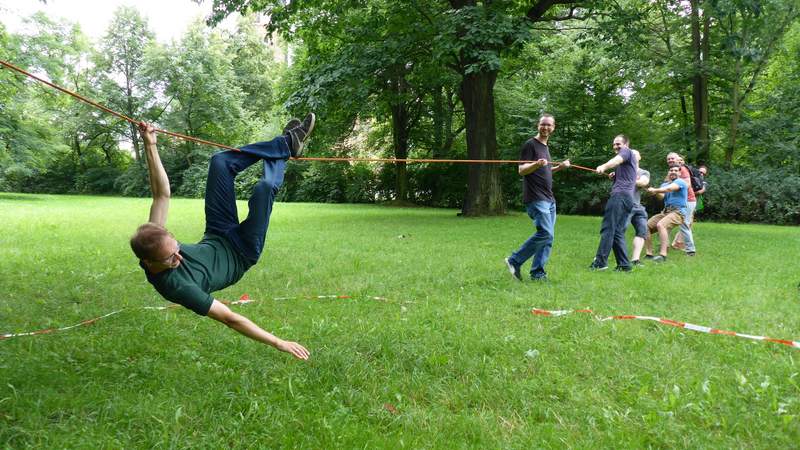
column 439, row 185
column 133, row 182
column 98, row 180
column 752, row 195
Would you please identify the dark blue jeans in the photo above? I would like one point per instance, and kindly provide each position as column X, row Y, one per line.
column 540, row 244
column 612, row 231
column 222, row 217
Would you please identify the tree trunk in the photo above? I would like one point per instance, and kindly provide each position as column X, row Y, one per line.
column 687, row 140
column 137, row 151
column 400, row 141
column 437, row 95
column 700, row 50
column 400, row 131
column 484, row 193
column 736, row 111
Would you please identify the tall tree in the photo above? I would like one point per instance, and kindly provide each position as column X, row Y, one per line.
column 751, row 32
column 121, row 63
column 207, row 102
column 700, row 30
column 471, row 36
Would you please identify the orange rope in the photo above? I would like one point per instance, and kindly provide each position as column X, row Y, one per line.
column 215, row 144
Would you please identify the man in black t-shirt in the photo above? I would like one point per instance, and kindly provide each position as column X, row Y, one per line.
column 187, row 274
column 537, row 194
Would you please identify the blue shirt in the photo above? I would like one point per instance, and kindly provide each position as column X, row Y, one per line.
column 677, row 199
column 625, row 175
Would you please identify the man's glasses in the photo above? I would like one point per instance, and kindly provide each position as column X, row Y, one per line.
column 171, row 258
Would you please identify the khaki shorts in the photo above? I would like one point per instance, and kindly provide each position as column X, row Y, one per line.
column 670, row 220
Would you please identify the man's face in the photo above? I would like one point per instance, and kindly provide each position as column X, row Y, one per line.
column 618, row 144
column 674, row 173
column 546, row 126
column 672, row 160
column 168, row 255
column 703, row 171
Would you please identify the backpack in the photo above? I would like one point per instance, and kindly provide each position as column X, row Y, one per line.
column 695, row 176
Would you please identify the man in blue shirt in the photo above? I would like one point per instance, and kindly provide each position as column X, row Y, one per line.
column 675, row 192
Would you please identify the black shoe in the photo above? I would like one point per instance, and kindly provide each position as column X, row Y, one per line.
column 690, row 253
column 300, row 134
column 595, row 266
column 649, row 257
column 540, row 278
column 623, row 269
column 514, row 270
column 637, row 263
column 659, row 259
column 293, row 123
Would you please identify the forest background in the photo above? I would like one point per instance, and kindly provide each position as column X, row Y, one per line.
column 717, row 81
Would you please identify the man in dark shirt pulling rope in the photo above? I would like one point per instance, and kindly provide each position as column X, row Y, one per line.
column 537, row 187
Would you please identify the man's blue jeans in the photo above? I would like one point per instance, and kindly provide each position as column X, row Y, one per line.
column 222, row 217
column 612, row 231
column 688, row 236
column 539, row 245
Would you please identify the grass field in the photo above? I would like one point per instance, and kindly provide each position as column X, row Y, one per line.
column 452, row 359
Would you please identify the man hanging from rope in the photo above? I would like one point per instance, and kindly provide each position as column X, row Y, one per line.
column 187, row 274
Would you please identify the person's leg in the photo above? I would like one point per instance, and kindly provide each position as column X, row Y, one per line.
column 220, row 200
column 664, row 225
column 607, row 232
column 277, row 148
column 663, row 238
column 543, row 247
column 619, row 222
column 253, row 230
column 652, row 226
column 677, row 242
column 686, row 227
column 639, row 221
column 539, row 212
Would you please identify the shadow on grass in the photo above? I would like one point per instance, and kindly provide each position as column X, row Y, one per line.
column 20, row 197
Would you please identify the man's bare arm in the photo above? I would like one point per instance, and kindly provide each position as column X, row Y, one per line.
column 245, row 326
column 562, row 165
column 528, row 168
column 159, row 182
column 610, row 164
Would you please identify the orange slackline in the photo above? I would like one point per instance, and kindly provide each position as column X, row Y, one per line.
column 214, row 144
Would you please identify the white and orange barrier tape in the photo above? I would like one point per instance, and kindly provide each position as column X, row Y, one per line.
column 244, row 299
column 674, row 323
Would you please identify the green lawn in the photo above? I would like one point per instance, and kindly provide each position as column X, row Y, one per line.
column 453, row 358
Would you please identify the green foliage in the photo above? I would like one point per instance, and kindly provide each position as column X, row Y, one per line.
column 133, row 182
column 752, row 195
column 331, row 183
column 477, row 35
column 385, row 78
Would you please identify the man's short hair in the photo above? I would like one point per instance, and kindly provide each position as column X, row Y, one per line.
column 624, row 138
column 548, row 115
column 148, row 239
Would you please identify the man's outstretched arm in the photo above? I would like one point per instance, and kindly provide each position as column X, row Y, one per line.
column 159, row 183
column 245, row 326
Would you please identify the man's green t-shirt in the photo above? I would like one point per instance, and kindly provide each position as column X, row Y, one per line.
column 210, row 265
